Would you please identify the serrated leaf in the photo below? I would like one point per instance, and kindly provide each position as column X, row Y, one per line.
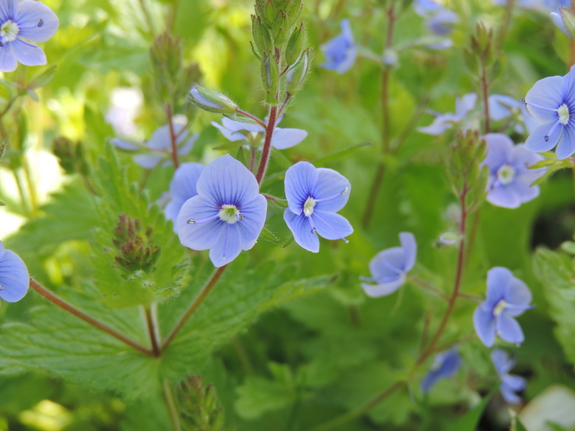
column 268, row 235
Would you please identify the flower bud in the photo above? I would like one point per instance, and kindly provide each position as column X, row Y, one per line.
column 70, row 156
column 295, row 77
column 281, row 27
column 211, row 101
column 293, row 10
column 261, row 35
column 136, row 251
column 270, row 77
column 199, row 406
column 296, row 44
column 564, row 19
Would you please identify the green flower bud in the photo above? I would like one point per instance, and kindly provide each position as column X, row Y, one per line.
column 296, row 44
column 564, row 19
column 270, row 77
column 295, row 77
column 280, row 28
column 166, row 56
column 135, row 248
column 211, row 101
column 199, row 406
column 261, row 35
column 293, row 10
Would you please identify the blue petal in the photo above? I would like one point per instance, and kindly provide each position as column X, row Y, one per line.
column 2, row 250
column 383, row 289
column 484, row 323
column 147, row 161
column 331, row 226
column 287, row 138
column 123, row 145
column 388, row 264
column 186, row 146
column 409, row 248
column 515, row 383
column 504, row 197
column 331, row 186
column 229, row 134
column 8, row 9
column 183, row 187
column 300, row 183
column 8, row 61
column 508, row 329
column 440, row 125
column 501, row 361
column 161, row 138
column 536, row 140
column 500, row 106
column 517, row 293
column 425, row 8
column 37, row 22
column 509, row 395
column 28, row 54
column 558, row 21
column 499, row 151
column 444, row 366
column 463, row 105
column 566, row 146
column 235, row 126
column 546, row 92
column 302, row 232
column 228, row 246
column 14, row 278
column 254, row 216
column 498, row 278
column 199, row 236
column 228, row 182
column 441, row 24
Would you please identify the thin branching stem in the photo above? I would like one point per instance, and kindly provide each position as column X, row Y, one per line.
column 173, row 137
column 266, row 152
column 253, row 117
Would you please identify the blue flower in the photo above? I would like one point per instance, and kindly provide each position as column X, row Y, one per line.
column 507, row 297
column 509, row 384
column 14, row 278
column 439, row 19
column 254, row 133
column 510, row 178
column 540, row 5
column 182, row 188
column 30, row 20
column 159, row 147
column 552, row 101
column 228, row 213
column 389, row 267
column 443, row 122
column 341, row 51
column 445, row 365
column 314, row 196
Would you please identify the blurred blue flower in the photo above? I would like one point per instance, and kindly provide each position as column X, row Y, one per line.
column 445, row 365
column 443, row 122
column 159, row 147
column 507, row 297
column 439, row 19
column 314, row 195
column 182, row 188
column 540, row 5
column 509, row 384
column 228, row 213
column 552, row 101
column 561, row 19
column 341, row 51
column 30, row 20
column 510, row 178
column 389, row 267
column 14, row 278
column 254, row 133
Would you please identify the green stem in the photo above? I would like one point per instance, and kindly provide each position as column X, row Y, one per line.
column 171, row 406
column 22, row 194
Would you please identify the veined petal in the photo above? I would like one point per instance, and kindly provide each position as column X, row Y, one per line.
column 147, row 161
column 504, row 197
column 183, row 185
column 8, row 9
column 566, row 145
column 301, row 230
column 517, row 292
column 388, row 264
column 28, row 54
column 254, row 217
column 331, row 226
column 36, row 21
column 499, row 151
column 333, row 187
column 287, row 138
column 409, row 248
column 500, row 106
column 199, row 236
column 228, row 246
column 547, row 93
column 383, row 289
column 536, row 140
column 14, row 278
column 484, row 322
column 231, row 135
column 8, row 62
column 227, row 181
column 497, row 280
column 508, row 329
column 300, row 183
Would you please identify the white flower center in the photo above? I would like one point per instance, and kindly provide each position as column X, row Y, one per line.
column 505, row 174
column 9, row 31
column 501, row 305
column 563, row 113
column 309, row 206
column 230, row 214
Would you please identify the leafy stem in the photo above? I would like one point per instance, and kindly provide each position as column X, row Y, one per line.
column 173, row 137
column 88, row 319
column 485, row 93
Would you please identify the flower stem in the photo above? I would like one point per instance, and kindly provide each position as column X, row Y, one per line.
column 171, row 405
column 266, row 152
column 253, row 117
column 152, row 330
column 173, row 139
column 86, row 318
column 430, row 288
column 194, row 306
column 485, row 92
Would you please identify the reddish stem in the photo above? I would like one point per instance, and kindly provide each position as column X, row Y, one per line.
column 173, row 138
column 153, row 333
column 253, row 117
column 485, row 91
column 267, row 144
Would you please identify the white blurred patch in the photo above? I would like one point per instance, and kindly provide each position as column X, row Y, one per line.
column 555, row 404
column 125, row 105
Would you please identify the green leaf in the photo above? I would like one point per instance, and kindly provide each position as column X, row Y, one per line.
column 43, row 79
column 339, row 154
column 469, row 421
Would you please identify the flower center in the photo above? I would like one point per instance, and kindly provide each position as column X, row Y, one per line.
column 230, row 214
column 505, row 174
column 309, row 206
column 9, row 31
column 563, row 113
column 501, row 305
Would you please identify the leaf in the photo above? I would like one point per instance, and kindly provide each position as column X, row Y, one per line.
column 43, row 79
column 470, row 420
column 269, row 236
column 339, row 154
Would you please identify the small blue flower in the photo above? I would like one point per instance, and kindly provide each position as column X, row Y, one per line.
column 341, row 51
column 552, row 101
column 228, row 213
column 443, row 122
column 445, row 365
column 439, row 19
column 314, row 195
column 510, row 178
column 159, row 147
column 509, row 384
column 538, row 5
column 30, row 20
column 254, row 133
column 182, row 188
column 507, row 297
column 389, row 267
column 14, row 278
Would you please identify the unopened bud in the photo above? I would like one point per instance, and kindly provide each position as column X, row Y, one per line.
column 564, row 19
column 296, row 44
column 295, row 77
column 270, row 77
column 211, row 101
column 135, row 248
column 261, row 35
column 199, row 406
column 70, row 156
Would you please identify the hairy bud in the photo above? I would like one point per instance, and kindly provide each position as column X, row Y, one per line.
column 211, row 101
column 135, row 248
